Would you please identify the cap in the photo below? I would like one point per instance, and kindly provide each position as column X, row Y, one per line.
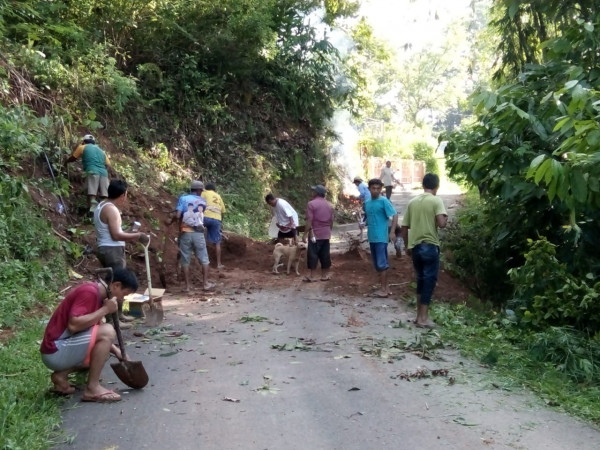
column 359, row 179
column 197, row 185
column 88, row 137
column 319, row 189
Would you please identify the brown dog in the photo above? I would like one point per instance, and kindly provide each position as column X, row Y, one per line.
column 291, row 252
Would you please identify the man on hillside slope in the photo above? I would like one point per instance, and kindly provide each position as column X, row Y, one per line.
column 286, row 217
column 424, row 215
column 111, row 238
column 95, row 165
column 213, row 219
column 319, row 222
column 191, row 237
column 76, row 339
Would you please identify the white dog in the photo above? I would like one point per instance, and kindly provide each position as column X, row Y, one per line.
column 291, row 252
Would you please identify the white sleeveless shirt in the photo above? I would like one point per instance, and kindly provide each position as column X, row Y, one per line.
column 103, row 237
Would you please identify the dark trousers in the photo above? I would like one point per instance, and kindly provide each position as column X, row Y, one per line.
column 318, row 252
column 388, row 191
column 426, row 261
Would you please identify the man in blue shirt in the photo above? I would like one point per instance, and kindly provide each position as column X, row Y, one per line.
column 363, row 190
column 378, row 210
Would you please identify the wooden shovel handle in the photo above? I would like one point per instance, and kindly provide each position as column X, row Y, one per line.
column 115, row 318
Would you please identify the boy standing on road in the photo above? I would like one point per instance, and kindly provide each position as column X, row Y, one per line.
column 378, row 210
column 319, row 222
column 286, row 217
column 75, row 338
column 424, row 215
column 213, row 219
column 191, row 238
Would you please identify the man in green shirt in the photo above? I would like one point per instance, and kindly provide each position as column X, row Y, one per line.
column 95, row 165
column 424, row 215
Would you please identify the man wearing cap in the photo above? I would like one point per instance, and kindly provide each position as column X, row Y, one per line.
column 319, row 222
column 363, row 190
column 95, row 164
column 286, row 216
column 191, row 238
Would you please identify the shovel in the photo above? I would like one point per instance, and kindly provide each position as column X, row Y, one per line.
column 132, row 373
column 155, row 313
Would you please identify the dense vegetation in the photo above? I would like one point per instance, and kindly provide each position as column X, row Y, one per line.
column 529, row 242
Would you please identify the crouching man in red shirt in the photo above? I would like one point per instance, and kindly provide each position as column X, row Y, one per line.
column 76, row 339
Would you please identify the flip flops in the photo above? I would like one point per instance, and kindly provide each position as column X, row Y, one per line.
column 69, row 391
column 107, row 397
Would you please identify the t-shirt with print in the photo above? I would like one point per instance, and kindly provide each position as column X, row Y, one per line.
column 83, row 300
column 214, row 205
column 420, row 218
column 283, row 211
column 190, row 203
column 320, row 212
column 378, row 211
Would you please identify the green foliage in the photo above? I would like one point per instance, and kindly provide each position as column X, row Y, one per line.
column 422, row 151
column 31, row 264
column 30, row 416
column 21, row 136
column 560, row 364
column 546, row 294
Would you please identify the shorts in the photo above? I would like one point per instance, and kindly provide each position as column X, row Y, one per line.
column 95, row 181
column 193, row 241
column 380, row 255
column 112, row 256
column 318, row 251
column 74, row 350
column 288, row 234
column 213, row 230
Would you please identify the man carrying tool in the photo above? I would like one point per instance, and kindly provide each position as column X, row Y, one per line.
column 95, row 164
column 213, row 218
column 110, row 236
column 76, row 339
column 191, row 238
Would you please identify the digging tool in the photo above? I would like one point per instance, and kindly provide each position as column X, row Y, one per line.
column 132, row 373
column 154, row 314
column 61, row 206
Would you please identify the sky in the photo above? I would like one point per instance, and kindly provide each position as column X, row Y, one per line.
column 419, row 23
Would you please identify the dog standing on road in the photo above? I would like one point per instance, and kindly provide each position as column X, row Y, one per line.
column 293, row 254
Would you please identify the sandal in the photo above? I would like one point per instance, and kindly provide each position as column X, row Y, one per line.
column 106, row 397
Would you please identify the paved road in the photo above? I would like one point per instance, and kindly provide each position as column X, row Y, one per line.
column 330, row 396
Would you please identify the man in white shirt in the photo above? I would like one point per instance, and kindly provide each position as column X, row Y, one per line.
column 286, row 217
column 387, row 177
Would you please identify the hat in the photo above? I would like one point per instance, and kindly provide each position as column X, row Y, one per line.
column 196, row 185
column 319, row 189
column 88, row 137
column 359, row 179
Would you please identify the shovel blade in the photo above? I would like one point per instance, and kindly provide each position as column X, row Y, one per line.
column 132, row 373
column 154, row 313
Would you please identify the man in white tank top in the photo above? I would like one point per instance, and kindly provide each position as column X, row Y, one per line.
column 109, row 235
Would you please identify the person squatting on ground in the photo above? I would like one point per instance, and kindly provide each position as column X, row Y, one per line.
column 110, row 237
column 377, row 211
column 213, row 219
column 363, row 190
column 387, row 178
column 319, row 222
column 286, row 218
column 95, row 165
column 75, row 338
column 191, row 237
column 424, row 215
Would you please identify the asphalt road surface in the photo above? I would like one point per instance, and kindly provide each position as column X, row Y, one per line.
column 327, row 384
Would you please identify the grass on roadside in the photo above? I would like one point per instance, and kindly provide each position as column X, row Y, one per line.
column 29, row 415
column 515, row 355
